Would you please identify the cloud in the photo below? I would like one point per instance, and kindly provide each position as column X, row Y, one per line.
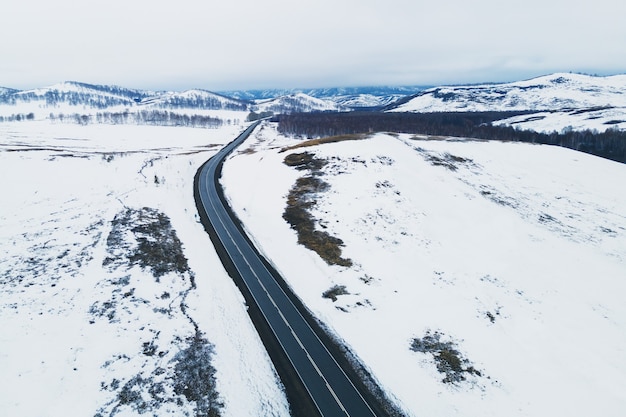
column 248, row 44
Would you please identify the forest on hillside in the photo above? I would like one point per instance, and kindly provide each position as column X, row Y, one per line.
column 610, row 144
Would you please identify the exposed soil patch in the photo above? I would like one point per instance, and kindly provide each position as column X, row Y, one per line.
column 450, row 362
column 301, row 199
column 155, row 245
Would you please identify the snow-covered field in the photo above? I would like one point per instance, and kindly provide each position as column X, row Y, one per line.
column 497, row 267
column 100, row 314
column 487, row 278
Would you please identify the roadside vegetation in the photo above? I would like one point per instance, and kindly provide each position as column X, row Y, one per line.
column 301, row 200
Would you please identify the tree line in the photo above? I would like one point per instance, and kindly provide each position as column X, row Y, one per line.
column 154, row 117
column 610, row 144
column 54, row 97
column 212, row 103
column 17, row 117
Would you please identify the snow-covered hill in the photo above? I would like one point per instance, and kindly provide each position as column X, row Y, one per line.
column 76, row 94
column 364, row 97
column 551, row 92
column 350, row 97
column 296, row 103
column 195, row 99
column 103, row 97
column 483, row 278
column 6, row 91
column 561, row 101
column 87, row 103
column 360, row 101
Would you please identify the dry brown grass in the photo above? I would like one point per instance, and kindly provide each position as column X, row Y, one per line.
column 335, row 291
column 299, row 202
column 328, row 139
column 301, row 199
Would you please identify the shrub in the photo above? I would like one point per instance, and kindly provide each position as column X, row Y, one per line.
column 448, row 359
column 157, row 245
column 194, row 377
column 334, row 292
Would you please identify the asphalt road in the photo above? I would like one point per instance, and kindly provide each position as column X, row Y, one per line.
column 328, row 387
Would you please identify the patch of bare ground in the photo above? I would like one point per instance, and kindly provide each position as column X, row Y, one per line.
column 328, row 139
column 449, row 361
column 300, row 201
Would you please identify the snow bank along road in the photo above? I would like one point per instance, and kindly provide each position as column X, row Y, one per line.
column 322, row 386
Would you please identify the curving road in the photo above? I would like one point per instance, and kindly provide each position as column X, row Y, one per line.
column 329, row 390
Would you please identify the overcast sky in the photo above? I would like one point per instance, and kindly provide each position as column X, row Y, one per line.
column 247, row 44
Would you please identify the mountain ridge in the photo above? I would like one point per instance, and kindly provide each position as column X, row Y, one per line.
column 556, row 102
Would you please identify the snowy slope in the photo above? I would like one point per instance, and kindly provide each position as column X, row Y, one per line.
column 4, row 90
column 196, row 99
column 596, row 118
column 76, row 93
column 510, row 257
column 93, row 324
column 551, row 92
column 365, row 100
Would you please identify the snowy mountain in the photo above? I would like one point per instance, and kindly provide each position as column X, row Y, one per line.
column 351, row 97
column 365, row 97
column 361, row 101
